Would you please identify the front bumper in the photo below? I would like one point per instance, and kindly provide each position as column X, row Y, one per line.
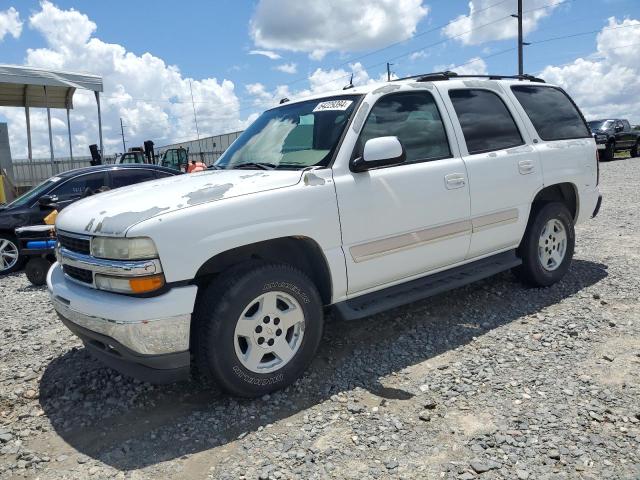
column 147, row 338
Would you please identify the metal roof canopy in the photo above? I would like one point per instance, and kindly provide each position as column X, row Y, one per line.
column 23, row 86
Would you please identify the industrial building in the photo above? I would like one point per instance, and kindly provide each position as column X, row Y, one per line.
column 206, row 149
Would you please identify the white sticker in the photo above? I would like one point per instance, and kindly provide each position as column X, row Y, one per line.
column 340, row 105
column 55, row 179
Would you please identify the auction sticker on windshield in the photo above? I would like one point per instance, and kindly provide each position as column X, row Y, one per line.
column 333, row 105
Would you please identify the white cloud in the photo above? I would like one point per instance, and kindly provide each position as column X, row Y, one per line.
column 419, row 55
column 607, row 83
column 152, row 98
column 486, row 23
column 287, row 68
column 265, row 53
column 10, row 23
column 475, row 66
column 334, row 25
column 320, row 81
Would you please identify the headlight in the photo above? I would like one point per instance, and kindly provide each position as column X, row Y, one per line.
column 134, row 285
column 123, row 248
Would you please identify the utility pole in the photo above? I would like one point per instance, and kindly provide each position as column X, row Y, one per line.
column 389, row 71
column 521, row 43
column 124, row 145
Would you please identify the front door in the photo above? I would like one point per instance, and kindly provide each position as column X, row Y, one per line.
column 403, row 221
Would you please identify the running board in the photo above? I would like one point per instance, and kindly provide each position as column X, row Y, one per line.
column 424, row 287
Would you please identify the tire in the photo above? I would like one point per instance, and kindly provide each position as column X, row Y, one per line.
column 10, row 259
column 36, row 270
column 239, row 313
column 547, row 247
column 634, row 151
column 609, row 152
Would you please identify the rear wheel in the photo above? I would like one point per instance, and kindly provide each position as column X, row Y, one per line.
column 36, row 270
column 258, row 328
column 10, row 260
column 634, row 150
column 547, row 247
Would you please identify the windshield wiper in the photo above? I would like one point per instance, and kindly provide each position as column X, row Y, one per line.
column 253, row 165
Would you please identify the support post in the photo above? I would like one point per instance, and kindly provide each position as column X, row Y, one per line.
column 389, row 71
column 99, row 123
column 46, row 102
column 29, row 147
column 69, row 132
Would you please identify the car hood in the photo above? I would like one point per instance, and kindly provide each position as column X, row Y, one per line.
column 113, row 213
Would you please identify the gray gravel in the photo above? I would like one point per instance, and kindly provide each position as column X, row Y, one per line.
column 489, row 381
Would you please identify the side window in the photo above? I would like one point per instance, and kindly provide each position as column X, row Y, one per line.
column 553, row 114
column 414, row 118
column 626, row 125
column 163, row 174
column 486, row 122
column 76, row 187
column 123, row 178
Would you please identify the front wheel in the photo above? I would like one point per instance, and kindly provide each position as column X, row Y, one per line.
column 547, row 247
column 609, row 152
column 258, row 328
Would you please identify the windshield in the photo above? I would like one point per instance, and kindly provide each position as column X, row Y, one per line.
column 600, row 124
column 293, row 136
column 33, row 194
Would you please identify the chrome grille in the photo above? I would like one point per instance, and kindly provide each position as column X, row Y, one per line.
column 75, row 244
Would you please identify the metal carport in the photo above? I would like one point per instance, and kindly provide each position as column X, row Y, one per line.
column 23, row 86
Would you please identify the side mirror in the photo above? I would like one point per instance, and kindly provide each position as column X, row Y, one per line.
column 619, row 128
column 47, row 201
column 379, row 152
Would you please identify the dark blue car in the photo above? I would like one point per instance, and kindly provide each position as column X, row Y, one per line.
column 61, row 190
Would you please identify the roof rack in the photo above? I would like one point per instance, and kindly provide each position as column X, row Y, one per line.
column 446, row 75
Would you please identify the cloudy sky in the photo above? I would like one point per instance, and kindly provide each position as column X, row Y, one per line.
column 243, row 56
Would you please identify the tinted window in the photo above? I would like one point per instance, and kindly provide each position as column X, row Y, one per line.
column 163, row 174
column 414, row 118
column 485, row 120
column 552, row 113
column 122, row 178
column 76, row 187
column 625, row 124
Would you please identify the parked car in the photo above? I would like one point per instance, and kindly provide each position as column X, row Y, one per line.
column 62, row 190
column 614, row 135
column 364, row 200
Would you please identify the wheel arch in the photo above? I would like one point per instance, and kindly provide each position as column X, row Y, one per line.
column 301, row 252
column 565, row 192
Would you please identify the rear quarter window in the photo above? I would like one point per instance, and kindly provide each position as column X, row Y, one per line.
column 552, row 113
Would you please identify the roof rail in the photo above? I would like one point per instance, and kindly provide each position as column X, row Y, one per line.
column 446, row 75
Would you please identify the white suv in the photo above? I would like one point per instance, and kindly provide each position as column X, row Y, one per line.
column 364, row 199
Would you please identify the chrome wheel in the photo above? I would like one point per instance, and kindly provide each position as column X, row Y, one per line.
column 8, row 254
column 269, row 332
column 552, row 245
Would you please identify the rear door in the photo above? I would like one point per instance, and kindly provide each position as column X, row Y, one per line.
column 560, row 134
column 503, row 167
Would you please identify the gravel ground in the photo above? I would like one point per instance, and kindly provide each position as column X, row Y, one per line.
column 489, row 381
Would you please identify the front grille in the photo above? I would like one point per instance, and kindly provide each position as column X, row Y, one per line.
column 79, row 245
column 80, row 274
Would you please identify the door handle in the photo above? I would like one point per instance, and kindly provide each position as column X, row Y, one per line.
column 525, row 167
column 454, row 180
